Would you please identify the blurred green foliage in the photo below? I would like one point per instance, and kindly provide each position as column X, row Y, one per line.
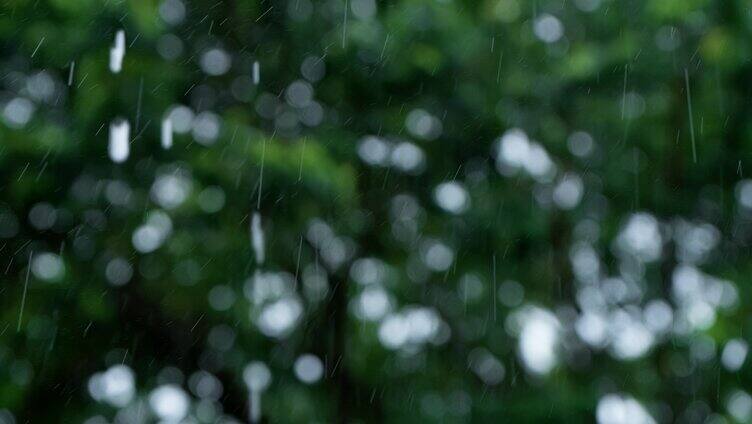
column 617, row 72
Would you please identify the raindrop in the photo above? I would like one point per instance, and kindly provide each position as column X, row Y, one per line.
column 166, row 133
column 119, row 147
column 257, row 238
column 117, row 52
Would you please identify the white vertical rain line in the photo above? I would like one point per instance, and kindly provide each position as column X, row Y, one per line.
column 119, row 147
column 166, row 133
column 70, row 73
column 255, row 413
column 257, row 238
column 256, row 73
column 117, row 52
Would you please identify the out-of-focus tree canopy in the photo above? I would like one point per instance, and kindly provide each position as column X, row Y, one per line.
column 375, row 211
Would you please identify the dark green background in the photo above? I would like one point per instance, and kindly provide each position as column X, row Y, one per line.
column 428, row 54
